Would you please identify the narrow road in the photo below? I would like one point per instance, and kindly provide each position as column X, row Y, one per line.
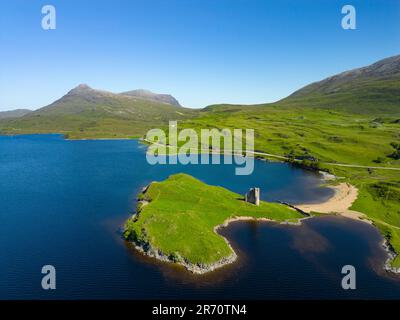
column 217, row 151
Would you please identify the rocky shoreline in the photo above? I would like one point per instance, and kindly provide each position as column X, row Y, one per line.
column 148, row 250
column 199, row 269
column 391, row 256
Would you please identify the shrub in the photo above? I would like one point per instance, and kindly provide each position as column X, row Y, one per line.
column 396, row 153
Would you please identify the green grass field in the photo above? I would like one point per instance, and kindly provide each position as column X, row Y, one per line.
column 183, row 212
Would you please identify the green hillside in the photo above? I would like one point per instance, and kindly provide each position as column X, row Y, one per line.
column 321, row 136
column 352, row 118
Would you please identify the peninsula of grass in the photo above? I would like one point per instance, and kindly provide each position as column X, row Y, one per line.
column 177, row 220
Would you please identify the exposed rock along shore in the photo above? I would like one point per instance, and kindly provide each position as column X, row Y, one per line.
column 391, row 256
column 148, row 250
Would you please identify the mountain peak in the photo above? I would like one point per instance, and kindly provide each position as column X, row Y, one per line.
column 83, row 86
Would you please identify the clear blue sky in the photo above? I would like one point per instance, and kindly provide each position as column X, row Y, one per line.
column 200, row 51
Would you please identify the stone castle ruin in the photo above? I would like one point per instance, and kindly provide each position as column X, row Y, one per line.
column 253, row 196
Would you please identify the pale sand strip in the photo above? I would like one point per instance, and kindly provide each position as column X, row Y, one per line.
column 345, row 195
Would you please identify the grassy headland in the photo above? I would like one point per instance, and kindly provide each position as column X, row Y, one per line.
column 177, row 218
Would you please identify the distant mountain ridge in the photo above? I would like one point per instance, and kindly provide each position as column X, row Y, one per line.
column 85, row 111
column 14, row 113
column 83, row 90
column 146, row 94
column 374, row 88
column 383, row 69
column 84, row 99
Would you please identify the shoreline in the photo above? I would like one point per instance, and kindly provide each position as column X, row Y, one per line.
column 200, row 269
column 339, row 204
column 391, row 256
column 67, row 139
column 101, row 139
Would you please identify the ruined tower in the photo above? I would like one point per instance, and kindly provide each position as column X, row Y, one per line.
column 253, row 196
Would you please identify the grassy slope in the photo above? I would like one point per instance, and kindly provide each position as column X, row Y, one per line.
column 331, row 136
column 183, row 212
column 362, row 96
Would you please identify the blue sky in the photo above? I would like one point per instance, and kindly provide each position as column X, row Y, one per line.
column 200, row 51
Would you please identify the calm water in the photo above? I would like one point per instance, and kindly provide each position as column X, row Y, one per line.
column 63, row 203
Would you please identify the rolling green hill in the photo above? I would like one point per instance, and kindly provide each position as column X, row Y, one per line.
column 88, row 113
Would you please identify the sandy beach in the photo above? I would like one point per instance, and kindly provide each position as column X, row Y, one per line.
column 340, row 203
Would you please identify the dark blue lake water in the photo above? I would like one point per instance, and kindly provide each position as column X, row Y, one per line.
column 63, row 203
